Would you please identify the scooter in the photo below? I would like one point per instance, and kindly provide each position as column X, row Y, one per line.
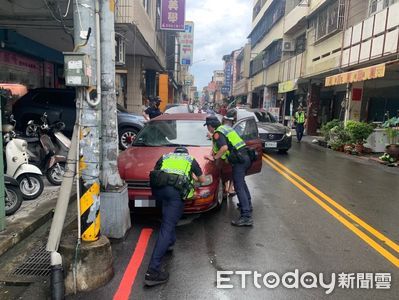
column 12, row 194
column 43, row 153
column 17, row 165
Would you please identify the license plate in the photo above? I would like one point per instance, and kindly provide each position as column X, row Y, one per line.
column 144, row 203
column 270, row 144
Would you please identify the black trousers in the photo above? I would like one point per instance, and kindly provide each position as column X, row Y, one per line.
column 299, row 131
column 172, row 210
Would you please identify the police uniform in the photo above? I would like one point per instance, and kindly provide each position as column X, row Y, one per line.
column 172, row 167
column 153, row 112
column 238, row 157
column 300, row 121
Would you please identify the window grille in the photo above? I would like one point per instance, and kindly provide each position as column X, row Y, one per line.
column 330, row 19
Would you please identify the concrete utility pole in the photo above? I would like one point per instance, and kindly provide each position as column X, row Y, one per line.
column 2, row 198
column 89, row 117
column 115, row 217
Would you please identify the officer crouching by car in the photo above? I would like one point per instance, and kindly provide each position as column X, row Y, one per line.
column 171, row 182
column 228, row 145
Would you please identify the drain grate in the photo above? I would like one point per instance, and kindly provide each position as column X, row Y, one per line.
column 38, row 264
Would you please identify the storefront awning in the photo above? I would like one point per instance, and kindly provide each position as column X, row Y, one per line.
column 372, row 72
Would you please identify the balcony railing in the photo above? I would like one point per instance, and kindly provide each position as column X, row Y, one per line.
column 292, row 68
column 124, row 11
column 375, row 37
column 295, row 18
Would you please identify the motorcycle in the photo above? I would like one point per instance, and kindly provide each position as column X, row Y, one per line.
column 48, row 148
column 17, row 165
column 12, row 194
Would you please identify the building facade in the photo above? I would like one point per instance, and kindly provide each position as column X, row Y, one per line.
column 337, row 58
column 32, row 41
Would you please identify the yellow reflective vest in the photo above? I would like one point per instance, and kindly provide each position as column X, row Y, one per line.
column 179, row 164
column 233, row 138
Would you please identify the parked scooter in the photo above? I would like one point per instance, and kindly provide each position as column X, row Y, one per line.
column 12, row 194
column 48, row 148
column 17, row 165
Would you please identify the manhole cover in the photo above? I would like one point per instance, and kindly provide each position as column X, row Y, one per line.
column 38, row 264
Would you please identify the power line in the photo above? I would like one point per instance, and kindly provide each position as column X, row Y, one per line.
column 80, row 20
column 67, row 10
column 51, row 11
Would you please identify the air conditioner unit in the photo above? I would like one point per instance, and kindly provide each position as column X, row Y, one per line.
column 288, row 46
column 120, row 50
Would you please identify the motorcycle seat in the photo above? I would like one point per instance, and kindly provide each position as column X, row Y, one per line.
column 7, row 128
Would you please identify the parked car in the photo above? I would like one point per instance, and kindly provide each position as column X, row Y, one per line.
column 274, row 136
column 59, row 104
column 162, row 135
column 179, row 108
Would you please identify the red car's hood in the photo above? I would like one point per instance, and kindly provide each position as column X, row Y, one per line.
column 136, row 163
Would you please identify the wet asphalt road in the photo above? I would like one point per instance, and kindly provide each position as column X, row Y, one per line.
column 294, row 229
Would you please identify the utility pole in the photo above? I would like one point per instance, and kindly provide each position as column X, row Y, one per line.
column 89, row 117
column 115, row 216
column 92, row 267
column 2, row 198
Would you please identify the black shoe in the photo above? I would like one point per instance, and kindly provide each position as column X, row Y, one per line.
column 153, row 277
column 170, row 249
column 243, row 221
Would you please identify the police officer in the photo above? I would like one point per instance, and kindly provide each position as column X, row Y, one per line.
column 153, row 110
column 171, row 183
column 227, row 145
column 300, row 122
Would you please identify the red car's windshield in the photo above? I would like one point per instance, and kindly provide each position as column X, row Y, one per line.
column 173, row 133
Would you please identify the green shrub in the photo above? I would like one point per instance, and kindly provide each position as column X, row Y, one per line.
column 358, row 131
column 325, row 129
column 338, row 136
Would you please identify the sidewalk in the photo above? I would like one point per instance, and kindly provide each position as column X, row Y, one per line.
column 372, row 158
column 31, row 215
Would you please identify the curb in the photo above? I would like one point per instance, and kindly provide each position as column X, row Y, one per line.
column 362, row 159
column 16, row 231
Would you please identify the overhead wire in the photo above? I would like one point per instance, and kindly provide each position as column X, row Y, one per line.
column 79, row 17
column 51, row 11
column 67, row 9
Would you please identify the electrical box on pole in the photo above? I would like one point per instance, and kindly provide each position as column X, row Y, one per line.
column 77, row 68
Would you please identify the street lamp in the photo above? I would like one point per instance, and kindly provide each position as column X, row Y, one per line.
column 198, row 61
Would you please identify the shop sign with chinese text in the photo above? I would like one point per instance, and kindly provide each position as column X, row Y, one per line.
column 173, row 14
column 372, row 72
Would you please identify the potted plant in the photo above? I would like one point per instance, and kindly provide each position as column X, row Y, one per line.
column 359, row 132
column 325, row 131
column 392, row 129
column 338, row 137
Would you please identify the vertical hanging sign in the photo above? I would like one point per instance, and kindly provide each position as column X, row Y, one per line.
column 186, row 40
column 173, row 14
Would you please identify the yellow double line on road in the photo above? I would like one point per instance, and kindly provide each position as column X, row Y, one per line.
column 370, row 235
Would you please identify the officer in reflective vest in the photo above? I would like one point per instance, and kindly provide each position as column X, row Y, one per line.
column 228, row 146
column 174, row 171
column 300, row 123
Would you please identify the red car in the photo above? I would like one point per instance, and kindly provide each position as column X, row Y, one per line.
column 162, row 135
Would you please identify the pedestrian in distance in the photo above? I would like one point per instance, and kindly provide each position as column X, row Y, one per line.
column 153, row 110
column 228, row 146
column 300, row 123
column 172, row 182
